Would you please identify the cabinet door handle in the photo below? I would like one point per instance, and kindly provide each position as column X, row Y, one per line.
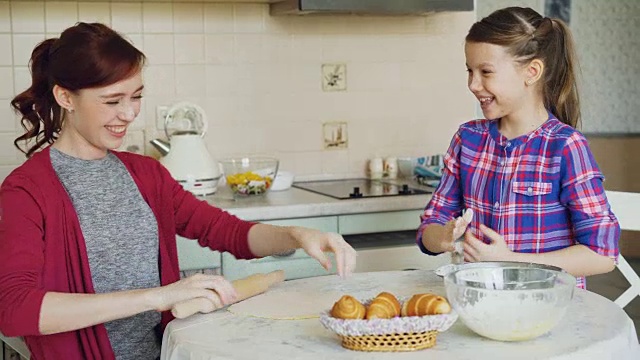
column 285, row 253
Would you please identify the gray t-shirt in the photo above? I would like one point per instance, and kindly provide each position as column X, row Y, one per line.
column 121, row 236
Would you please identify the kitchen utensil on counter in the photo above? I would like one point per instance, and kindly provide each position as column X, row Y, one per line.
column 186, row 155
column 391, row 167
column 162, row 146
column 249, row 175
column 509, row 301
column 429, row 166
column 425, row 170
column 245, row 287
column 376, row 168
column 283, row 181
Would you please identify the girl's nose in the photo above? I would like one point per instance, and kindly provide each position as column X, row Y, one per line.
column 474, row 84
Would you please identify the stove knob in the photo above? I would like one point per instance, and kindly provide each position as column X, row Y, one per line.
column 405, row 190
column 356, row 193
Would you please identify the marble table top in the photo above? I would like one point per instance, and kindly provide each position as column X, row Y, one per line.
column 593, row 327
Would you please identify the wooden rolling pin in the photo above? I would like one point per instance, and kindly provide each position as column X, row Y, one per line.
column 245, row 288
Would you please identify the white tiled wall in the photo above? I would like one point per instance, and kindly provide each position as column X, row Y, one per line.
column 259, row 77
column 609, row 49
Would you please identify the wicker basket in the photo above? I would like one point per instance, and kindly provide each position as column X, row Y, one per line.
column 397, row 334
column 390, row 342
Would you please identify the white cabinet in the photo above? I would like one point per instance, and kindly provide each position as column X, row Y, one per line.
column 191, row 256
column 298, row 264
column 403, row 257
column 13, row 345
column 322, row 223
column 390, row 256
column 379, row 222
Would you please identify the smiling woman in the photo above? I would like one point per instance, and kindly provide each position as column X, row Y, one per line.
column 96, row 119
column 89, row 73
column 88, row 258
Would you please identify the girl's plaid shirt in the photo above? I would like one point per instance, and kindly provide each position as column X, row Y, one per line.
column 542, row 191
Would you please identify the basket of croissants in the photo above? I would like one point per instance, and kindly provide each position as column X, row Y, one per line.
column 387, row 323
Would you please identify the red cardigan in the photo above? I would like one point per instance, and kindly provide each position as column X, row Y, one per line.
column 42, row 247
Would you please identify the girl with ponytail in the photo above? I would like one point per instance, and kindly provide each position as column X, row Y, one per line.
column 88, row 261
column 526, row 173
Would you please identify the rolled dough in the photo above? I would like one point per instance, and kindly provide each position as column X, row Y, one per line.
column 286, row 306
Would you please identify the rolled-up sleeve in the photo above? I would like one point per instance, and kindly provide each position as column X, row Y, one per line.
column 446, row 201
column 594, row 224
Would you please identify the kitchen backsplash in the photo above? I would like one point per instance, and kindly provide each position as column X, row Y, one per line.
column 258, row 77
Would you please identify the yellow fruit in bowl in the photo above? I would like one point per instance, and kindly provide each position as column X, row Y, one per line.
column 249, row 175
column 249, row 183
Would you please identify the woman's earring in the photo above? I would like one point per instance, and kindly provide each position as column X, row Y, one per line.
column 70, row 110
column 530, row 81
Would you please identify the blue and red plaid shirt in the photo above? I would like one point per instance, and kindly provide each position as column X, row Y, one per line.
column 542, row 191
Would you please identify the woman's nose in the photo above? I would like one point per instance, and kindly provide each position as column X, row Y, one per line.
column 127, row 113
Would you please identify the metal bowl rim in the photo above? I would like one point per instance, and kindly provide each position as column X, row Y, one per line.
column 449, row 277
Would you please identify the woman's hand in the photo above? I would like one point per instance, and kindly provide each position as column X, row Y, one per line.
column 315, row 243
column 213, row 287
column 477, row 250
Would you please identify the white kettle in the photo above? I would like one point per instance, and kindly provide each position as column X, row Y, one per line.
column 186, row 155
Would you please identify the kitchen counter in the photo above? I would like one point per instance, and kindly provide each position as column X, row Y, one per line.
column 298, row 203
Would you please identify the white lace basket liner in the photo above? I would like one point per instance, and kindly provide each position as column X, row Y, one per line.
column 396, row 325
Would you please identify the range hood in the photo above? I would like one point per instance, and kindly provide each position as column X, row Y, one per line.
column 368, row 7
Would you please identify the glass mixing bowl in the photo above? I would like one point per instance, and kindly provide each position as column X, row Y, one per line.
column 510, row 302
column 249, row 175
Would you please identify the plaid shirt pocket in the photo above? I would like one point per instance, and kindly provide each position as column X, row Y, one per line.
column 532, row 188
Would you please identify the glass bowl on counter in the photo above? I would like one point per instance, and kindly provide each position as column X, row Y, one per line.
column 510, row 301
column 248, row 176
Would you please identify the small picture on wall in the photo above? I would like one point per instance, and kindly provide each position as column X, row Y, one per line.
column 335, row 135
column 334, row 77
column 559, row 9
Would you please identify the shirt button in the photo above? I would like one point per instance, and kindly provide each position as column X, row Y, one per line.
column 508, row 143
column 503, row 162
column 529, row 190
column 496, row 205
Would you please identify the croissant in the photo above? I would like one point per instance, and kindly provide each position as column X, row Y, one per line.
column 380, row 309
column 425, row 304
column 386, row 301
column 348, row 308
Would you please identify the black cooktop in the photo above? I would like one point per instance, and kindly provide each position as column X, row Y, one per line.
column 360, row 188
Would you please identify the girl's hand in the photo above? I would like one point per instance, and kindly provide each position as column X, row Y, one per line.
column 315, row 243
column 455, row 228
column 477, row 250
column 213, row 287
